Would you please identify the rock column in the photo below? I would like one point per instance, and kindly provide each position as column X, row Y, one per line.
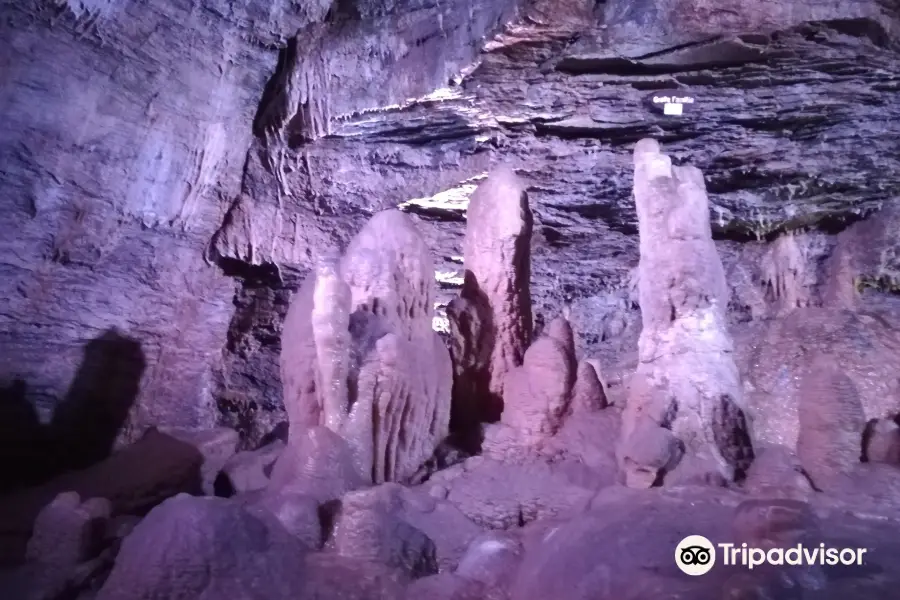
column 685, row 406
column 491, row 321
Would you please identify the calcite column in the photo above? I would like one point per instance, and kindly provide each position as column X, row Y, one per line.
column 685, row 405
column 359, row 355
column 331, row 335
column 491, row 321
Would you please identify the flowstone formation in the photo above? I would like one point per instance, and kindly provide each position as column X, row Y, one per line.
column 359, row 355
column 537, row 394
column 685, row 403
column 831, row 423
column 491, row 321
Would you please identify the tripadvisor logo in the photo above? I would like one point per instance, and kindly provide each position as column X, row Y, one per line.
column 695, row 555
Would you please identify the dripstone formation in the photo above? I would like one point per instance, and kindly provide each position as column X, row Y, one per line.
column 488, row 343
column 685, row 403
column 369, row 496
column 359, row 355
column 491, row 320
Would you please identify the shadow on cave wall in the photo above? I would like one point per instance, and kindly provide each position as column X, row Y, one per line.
column 85, row 423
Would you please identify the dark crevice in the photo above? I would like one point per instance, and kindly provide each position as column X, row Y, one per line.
column 615, row 217
column 678, row 47
column 618, row 135
column 264, row 118
column 575, row 65
column 265, row 275
column 831, row 224
column 867, row 28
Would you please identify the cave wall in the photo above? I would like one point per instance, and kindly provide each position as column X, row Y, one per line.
column 794, row 126
column 124, row 133
column 126, row 130
column 172, row 170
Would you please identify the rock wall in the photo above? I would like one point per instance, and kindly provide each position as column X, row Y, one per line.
column 124, row 132
column 125, row 141
column 549, row 97
column 218, row 147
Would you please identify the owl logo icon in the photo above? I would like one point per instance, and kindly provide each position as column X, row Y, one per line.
column 695, row 555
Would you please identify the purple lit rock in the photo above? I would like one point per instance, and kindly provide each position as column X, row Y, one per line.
column 366, row 320
column 688, row 383
column 491, row 322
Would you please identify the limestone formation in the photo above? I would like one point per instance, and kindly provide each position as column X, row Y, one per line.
column 648, row 451
column 588, row 394
column 537, row 393
column 554, row 410
column 831, row 420
column 331, row 334
column 775, row 355
column 491, row 321
column 298, row 362
column 602, row 378
column 359, row 355
column 686, row 380
column 320, row 465
column 776, row 472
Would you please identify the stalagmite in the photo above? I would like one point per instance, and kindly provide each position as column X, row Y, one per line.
column 494, row 307
column 359, row 355
column 686, row 381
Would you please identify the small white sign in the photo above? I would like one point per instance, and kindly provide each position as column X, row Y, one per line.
column 672, row 109
column 673, row 105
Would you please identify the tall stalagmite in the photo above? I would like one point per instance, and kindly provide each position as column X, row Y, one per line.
column 359, row 355
column 491, row 321
column 686, row 395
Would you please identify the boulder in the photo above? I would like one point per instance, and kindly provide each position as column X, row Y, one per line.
column 216, row 446
column 248, row 471
column 133, row 480
column 447, row 529
column 369, row 527
column 501, row 495
column 68, row 531
column 491, row 560
column 330, row 576
column 295, row 511
column 204, row 548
